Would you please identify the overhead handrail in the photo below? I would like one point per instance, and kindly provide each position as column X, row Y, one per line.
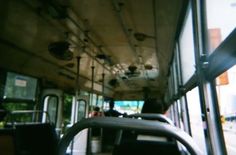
column 146, row 126
column 152, row 116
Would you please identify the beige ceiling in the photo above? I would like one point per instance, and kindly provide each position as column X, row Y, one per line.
column 92, row 27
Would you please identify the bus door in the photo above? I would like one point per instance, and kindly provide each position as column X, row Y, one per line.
column 79, row 111
column 52, row 105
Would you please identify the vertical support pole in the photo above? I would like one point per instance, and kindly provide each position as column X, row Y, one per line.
column 77, row 87
column 92, row 80
column 103, row 94
column 103, row 89
column 75, row 106
column 91, row 98
column 213, row 134
column 199, row 72
column 207, row 88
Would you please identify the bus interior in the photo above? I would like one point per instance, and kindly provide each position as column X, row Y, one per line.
column 166, row 66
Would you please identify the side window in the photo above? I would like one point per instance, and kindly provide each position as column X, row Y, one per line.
column 225, row 86
column 196, row 123
column 81, row 109
column 67, row 110
column 187, row 49
column 19, row 117
column 220, row 28
column 51, row 106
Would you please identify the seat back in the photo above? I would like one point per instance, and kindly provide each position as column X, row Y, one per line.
column 7, row 142
column 146, row 147
column 36, row 139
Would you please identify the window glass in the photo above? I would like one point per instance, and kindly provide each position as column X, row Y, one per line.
column 20, row 87
column 180, row 114
column 170, row 84
column 178, row 67
column 170, row 113
column 195, row 118
column 21, row 117
column 67, row 106
column 81, row 109
column 106, row 105
column 93, row 100
column 225, row 86
column 129, row 107
column 176, row 114
column 175, row 80
column 52, row 108
column 187, row 49
column 221, row 20
column 100, row 101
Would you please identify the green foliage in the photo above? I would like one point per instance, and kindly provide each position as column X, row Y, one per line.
column 19, row 106
column 67, row 109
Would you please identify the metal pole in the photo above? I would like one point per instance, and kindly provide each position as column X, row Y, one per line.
column 198, row 50
column 91, row 98
column 213, row 135
column 77, row 89
column 103, row 89
column 217, row 136
column 92, row 85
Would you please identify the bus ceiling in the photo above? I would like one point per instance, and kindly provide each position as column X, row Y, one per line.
column 128, row 42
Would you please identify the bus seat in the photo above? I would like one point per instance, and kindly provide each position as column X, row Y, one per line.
column 156, row 118
column 109, row 138
column 136, row 143
column 36, row 139
column 7, row 142
column 142, row 126
column 146, row 147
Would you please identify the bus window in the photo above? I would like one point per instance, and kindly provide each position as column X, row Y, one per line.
column 225, row 86
column 100, row 101
column 51, row 106
column 129, row 107
column 187, row 49
column 28, row 117
column 77, row 112
column 195, row 118
column 20, row 87
column 221, row 17
column 81, row 109
column 93, row 100
column 67, row 110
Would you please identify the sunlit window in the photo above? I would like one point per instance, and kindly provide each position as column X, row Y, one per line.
column 225, row 86
column 129, row 107
column 187, row 49
column 195, row 118
column 221, row 20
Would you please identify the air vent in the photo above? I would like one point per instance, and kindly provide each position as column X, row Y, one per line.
column 140, row 36
column 113, row 82
column 124, row 77
column 148, row 67
column 106, row 58
column 132, row 71
column 60, row 50
column 132, row 68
